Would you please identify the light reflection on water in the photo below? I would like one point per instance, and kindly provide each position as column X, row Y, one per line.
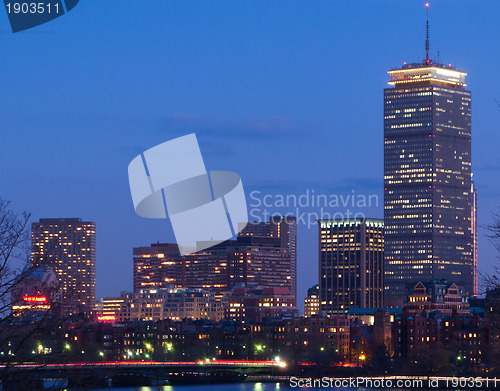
column 234, row 387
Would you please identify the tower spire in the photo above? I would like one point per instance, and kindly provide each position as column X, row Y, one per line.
column 427, row 36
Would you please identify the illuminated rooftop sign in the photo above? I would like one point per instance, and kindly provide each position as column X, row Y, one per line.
column 418, row 74
column 35, row 299
column 106, row 318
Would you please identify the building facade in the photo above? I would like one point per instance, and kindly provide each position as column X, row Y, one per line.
column 436, row 295
column 284, row 228
column 157, row 266
column 263, row 254
column 68, row 246
column 473, row 220
column 311, row 302
column 175, row 304
column 256, row 304
column 351, row 254
column 427, row 178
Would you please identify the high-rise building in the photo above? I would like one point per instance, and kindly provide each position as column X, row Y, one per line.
column 248, row 260
column 311, row 302
column 351, row 257
column 473, row 220
column 284, row 228
column 68, row 246
column 263, row 253
column 427, row 177
column 158, row 266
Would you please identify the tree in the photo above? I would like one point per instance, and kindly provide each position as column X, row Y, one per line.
column 491, row 281
column 13, row 254
column 20, row 334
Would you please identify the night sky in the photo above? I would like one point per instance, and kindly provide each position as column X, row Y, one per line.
column 288, row 94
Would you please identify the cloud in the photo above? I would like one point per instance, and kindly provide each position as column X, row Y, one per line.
column 341, row 185
column 247, row 128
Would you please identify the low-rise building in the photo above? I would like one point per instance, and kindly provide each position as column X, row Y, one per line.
column 437, row 295
column 255, row 304
column 175, row 304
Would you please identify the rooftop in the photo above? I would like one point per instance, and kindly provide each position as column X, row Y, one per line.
column 427, row 71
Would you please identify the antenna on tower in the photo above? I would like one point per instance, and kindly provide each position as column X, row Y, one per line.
column 427, row 37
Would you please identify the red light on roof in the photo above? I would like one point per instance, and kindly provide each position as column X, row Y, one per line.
column 106, row 318
column 427, row 5
column 35, row 299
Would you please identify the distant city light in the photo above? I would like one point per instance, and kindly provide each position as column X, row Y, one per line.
column 106, row 318
column 35, row 299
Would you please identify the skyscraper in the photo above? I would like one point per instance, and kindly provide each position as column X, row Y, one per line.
column 158, row 266
column 284, row 228
column 351, row 258
column 248, row 260
column 68, row 246
column 473, row 193
column 263, row 254
column 427, row 177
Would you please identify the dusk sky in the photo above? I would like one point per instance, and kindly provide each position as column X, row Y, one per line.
column 288, row 94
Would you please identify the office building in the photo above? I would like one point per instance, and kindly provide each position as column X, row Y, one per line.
column 158, row 266
column 311, row 302
column 427, row 178
column 263, row 254
column 68, row 246
column 248, row 260
column 284, row 228
column 258, row 303
column 109, row 307
column 351, row 254
column 175, row 304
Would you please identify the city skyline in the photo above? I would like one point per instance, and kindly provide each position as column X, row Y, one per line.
column 288, row 106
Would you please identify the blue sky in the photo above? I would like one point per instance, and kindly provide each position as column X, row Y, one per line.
column 289, row 94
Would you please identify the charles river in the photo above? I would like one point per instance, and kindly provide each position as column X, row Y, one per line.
column 269, row 387
column 235, row 387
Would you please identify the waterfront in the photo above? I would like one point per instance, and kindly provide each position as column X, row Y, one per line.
column 287, row 386
column 227, row 387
